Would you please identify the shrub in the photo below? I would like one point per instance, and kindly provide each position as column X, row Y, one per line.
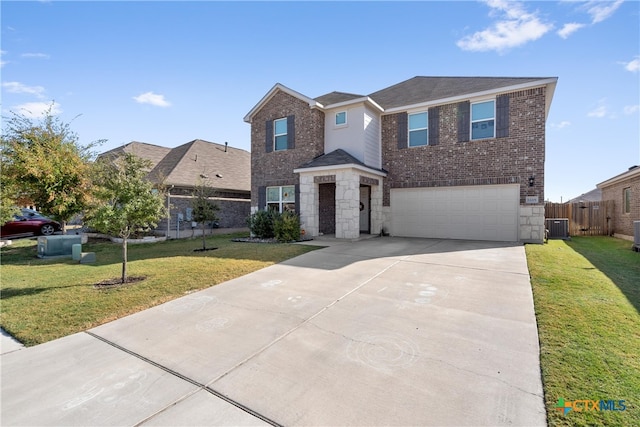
column 260, row 224
column 286, row 227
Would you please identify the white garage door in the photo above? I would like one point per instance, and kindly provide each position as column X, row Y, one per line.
column 479, row 212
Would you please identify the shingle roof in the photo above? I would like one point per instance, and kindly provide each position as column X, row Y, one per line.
column 423, row 89
column 336, row 97
column 151, row 152
column 594, row 195
column 335, row 158
column 200, row 160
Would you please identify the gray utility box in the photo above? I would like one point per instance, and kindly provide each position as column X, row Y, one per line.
column 558, row 228
column 57, row 245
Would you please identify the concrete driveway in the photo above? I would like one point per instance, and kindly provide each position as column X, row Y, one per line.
column 386, row 331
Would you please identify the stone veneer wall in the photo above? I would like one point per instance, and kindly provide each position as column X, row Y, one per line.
column 532, row 223
column 347, row 196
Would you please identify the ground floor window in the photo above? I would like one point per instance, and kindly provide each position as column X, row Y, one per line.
column 282, row 198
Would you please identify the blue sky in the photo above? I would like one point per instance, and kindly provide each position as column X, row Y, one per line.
column 170, row 72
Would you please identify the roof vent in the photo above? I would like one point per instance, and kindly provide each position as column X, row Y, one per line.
column 633, row 167
column 204, row 176
column 218, row 175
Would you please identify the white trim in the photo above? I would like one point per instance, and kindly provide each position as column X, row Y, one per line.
column 282, row 88
column 364, row 99
column 482, row 101
column 623, row 176
column 276, row 135
column 550, row 82
column 346, row 119
column 417, row 129
column 336, row 167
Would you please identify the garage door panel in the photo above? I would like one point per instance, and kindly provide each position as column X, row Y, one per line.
column 472, row 212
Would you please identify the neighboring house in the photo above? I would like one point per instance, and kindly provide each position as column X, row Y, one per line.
column 624, row 190
column 594, row 195
column 226, row 170
column 441, row 157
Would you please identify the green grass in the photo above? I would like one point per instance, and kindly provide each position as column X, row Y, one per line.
column 41, row 300
column 587, row 301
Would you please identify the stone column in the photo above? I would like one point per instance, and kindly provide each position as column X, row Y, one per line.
column 347, row 204
column 309, row 220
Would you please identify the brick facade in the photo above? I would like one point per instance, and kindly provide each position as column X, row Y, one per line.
column 507, row 160
column 622, row 223
column 276, row 167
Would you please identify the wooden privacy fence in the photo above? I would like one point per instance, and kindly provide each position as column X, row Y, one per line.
column 585, row 218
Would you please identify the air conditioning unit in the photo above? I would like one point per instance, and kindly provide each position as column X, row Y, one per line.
column 558, row 228
column 57, row 245
column 636, row 236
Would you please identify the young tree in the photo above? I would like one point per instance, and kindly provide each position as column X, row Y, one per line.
column 7, row 198
column 127, row 200
column 47, row 164
column 204, row 210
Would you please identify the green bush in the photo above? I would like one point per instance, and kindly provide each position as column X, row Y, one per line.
column 286, row 227
column 260, row 224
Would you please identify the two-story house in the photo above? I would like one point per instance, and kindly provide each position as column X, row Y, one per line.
column 436, row 157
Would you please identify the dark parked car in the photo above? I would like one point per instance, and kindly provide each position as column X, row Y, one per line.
column 22, row 225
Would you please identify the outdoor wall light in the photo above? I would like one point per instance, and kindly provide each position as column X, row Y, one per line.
column 532, row 180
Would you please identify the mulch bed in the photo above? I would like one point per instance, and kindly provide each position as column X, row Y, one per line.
column 117, row 282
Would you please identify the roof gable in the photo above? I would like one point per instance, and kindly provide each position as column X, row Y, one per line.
column 150, row 152
column 275, row 89
column 215, row 165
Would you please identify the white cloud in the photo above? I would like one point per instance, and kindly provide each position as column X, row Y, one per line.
column 569, row 29
column 631, row 109
column 153, row 99
column 514, row 28
column 17, row 87
column 633, row 65
column 563, row 124
column 599, row 112
column 36, row 110
column 601, row 10
column 2, row 53
column 36, row 55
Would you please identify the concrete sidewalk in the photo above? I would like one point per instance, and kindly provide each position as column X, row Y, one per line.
column 385, row 331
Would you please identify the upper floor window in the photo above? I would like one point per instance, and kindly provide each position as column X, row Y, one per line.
column 626, row 200
column 341, row 118
column 280, row 134
column 281, row 199
column 483, row 119
column 418, row 129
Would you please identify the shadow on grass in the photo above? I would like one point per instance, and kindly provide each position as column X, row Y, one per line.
column 7, row 293
column 614, row 258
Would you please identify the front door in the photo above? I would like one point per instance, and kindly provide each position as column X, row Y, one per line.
column 365, row 209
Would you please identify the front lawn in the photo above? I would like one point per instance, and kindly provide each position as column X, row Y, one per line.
column 41, row 300
column 587, row 301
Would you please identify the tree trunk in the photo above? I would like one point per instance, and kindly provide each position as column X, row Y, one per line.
column 124, row 259
column 204, row 243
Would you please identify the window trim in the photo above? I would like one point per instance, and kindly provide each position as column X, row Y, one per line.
column 346, row 122
column 276, row 135
column 626, row 200
column 280, row 202
column 471, row 121
column 409, row 130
